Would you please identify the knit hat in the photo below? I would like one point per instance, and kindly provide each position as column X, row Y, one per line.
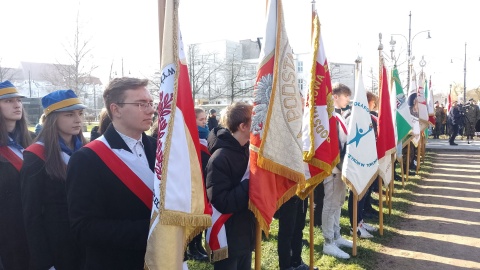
column 8, row 90
column 61, row 101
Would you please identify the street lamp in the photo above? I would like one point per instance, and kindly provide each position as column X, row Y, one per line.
column 464, row 74
column 409, row 44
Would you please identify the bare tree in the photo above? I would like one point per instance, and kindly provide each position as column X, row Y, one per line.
column 239, row 76
column 203, row 67
column 6, row 73
column 73, row 75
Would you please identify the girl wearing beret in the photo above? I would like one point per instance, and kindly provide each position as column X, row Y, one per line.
column 14, row 137
column 43, row 174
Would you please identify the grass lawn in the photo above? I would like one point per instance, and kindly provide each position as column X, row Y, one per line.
column 366, row 248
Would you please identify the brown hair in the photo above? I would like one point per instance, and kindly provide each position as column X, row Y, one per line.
column 372, row 97
column 104, row 121
column 54, row 165
column 236, row 114
column 198, row 110
column 340, row 88
column 21, row 133
column 114, row 93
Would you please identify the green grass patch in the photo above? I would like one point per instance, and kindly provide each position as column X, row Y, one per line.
column 367, row 249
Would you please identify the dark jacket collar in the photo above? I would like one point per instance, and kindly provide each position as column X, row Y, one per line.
column 116, row 142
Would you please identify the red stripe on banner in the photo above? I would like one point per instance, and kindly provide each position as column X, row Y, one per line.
column 213, row 241
column 123, row 172
column 204, row 148
column 9, row 155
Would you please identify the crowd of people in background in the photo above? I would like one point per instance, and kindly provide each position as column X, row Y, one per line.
column 65, row 204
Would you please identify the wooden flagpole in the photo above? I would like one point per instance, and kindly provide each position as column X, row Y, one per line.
column 161, row 23
column 258, row 247
column 380, row 204
column 408, row 162
column 311, row 198
column 419, row 150
column 258, row 231
column 392, row 185
column 402, row 172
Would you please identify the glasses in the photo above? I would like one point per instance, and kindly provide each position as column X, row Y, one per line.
column 142, row 106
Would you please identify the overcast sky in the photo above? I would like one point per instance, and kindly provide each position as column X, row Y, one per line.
column 38, row 31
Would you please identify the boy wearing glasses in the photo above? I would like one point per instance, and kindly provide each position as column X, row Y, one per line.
column 110, row 181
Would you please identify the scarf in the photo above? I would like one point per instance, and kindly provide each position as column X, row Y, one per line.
column 77, row 144
column 203, row 132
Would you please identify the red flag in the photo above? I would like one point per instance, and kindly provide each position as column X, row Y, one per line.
column 320, row 138
column 386, row 133
column 276, row 165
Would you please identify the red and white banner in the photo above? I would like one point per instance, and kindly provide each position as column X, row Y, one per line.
column 319, row 132
column 276, row 164
column 180, row 208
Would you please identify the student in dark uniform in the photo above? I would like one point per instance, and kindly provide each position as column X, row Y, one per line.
column 14, row 137
column 43, row 174
column 110, row 181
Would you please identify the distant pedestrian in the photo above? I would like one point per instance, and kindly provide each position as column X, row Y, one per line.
column 454, row 118
column 212, row 119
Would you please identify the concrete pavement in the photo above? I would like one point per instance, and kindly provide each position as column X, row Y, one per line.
column 443, row 144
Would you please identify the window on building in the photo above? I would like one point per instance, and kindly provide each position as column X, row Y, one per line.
column 299, row 66
column 300, row 84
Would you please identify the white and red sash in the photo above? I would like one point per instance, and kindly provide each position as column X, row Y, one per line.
column 217, row 235
column 137, row 176
column 38, row 148
column 13, row 155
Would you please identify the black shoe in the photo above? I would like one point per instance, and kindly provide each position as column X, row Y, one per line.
column 452, row 143
column 194, row 254
column 200, row 249
column 397, row 177
column 373, row 201
column 305, row 243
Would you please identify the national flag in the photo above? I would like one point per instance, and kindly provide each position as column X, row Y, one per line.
column 430, row 104
column 276, row 156
column 413, row 106
column 403, row 116
column 180, row 209
column 385, row 129
column 320, row 139
column 360, row 166
column 422, row 102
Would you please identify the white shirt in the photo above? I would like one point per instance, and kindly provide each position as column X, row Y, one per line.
column 136, row 146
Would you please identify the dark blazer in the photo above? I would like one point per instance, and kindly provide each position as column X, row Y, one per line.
column 13, row 242
column 44, row 199
column 106, row 217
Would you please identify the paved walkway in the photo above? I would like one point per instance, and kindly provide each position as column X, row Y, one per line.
column 443, row 144
column 442, row 228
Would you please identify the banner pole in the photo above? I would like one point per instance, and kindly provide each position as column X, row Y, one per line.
column 354, row 223
column 258, row 247
column 380, row 204
column 408, row 162
column 391, row 197
column 312, row 216
column 419, row 151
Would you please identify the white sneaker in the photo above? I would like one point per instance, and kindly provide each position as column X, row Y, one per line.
column 362, row 232
column 368, row 227
column 333, row 250
column 342, row 242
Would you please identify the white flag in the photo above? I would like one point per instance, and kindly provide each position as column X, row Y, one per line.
column 360, row 164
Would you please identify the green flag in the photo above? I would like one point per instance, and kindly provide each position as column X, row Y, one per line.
column 403, row 111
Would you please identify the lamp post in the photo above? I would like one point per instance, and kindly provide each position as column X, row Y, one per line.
column 465, row 76
column 409, row 44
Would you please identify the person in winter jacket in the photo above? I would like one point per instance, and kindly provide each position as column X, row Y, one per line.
column 226, row 168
